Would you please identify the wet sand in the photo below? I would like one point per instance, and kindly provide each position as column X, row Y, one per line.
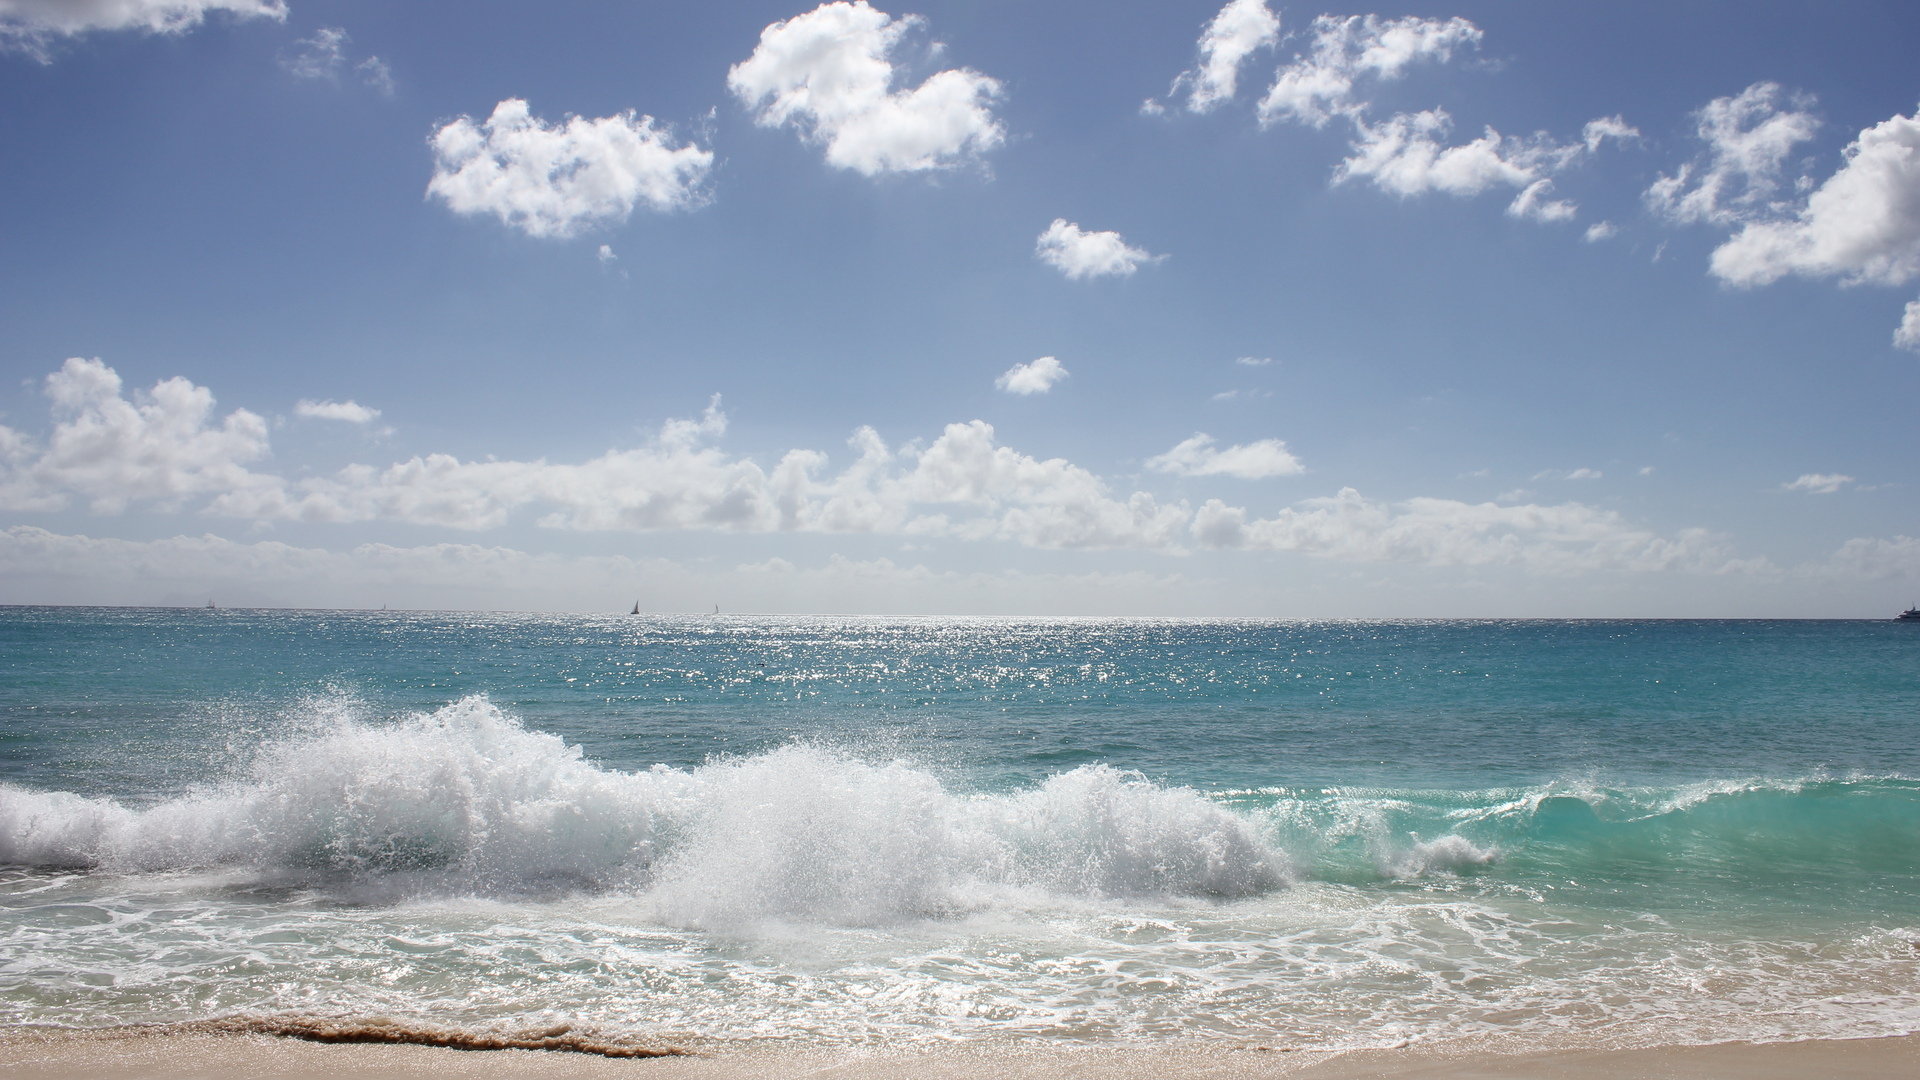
column 137, row 1054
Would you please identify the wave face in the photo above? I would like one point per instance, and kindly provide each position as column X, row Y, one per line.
column 467, row 800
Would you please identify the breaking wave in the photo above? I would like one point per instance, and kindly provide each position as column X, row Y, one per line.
column 468, row 800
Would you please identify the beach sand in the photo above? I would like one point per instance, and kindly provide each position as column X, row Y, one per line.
column 127, row 1054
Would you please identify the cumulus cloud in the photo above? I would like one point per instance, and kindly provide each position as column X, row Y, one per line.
column 1907, row 334
column 1874, row 559
column 1078, row 254
column 164, row 446
column 161, row 446
column 1037, row 377
column 1749, row 138
column 1818, row 483
column 1406, row 155
column 346, row 411
column 1570, row 538
column 31, row 26
column 1238, row 31
column 1198, row 456
column 829, row 74
column 554, row 180
column 1862, row 224
column 1344, row 51
column 1600, row 230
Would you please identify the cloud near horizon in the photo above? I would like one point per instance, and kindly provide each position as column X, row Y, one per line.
column 164, row 446
column 829, row 74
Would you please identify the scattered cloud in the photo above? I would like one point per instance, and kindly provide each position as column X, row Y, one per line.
column 1585, row 474
column 346, row 411
column 1818, row 483
column 1037, row 377
column 159, row 447
column 1197, row 456
column 1749, row 138
column 1229, row 395
column 318, row 57
column 32, row 26
column 1405, row 155
column 1646, row 470
column 1862, row 224
column 554, row 180
column 164, row 446
column 1254, row 361
column 374, row 72
column 606, row 255
column 1079, row 254
column 1601, row 230
column 1235, row 33
column 829, row 74
column 1344, row 51
column 1907, row 334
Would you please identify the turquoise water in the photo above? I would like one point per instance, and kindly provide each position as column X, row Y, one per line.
column 902, row 830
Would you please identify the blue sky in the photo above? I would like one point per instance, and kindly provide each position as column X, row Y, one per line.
column 1483, row 309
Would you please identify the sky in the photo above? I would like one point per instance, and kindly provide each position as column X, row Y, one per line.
column 1048, row 307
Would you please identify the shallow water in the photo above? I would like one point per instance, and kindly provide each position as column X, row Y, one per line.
column 901, row 830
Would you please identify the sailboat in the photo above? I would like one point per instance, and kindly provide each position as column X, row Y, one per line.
column 636, row 608
column 210, row 606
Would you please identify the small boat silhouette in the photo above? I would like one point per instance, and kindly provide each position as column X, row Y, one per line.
column 636, row 608
column 1912, row 614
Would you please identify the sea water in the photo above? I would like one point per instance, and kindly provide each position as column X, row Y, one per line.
column 907, row 831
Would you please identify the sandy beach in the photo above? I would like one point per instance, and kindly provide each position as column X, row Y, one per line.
column 138, row 1054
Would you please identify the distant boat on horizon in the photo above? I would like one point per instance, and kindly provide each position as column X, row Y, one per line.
column 210, row 606
column 1912, row 614
column 636, row 608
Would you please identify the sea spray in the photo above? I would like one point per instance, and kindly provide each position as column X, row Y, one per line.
column 466, row 800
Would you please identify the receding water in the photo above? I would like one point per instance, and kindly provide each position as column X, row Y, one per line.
column 899, row 830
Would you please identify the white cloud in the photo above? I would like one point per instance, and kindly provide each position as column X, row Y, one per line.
column 318, row 57
column 828, row 73
column 162, row 448
column 1404, row 155
column 1749, row 138
column 1861, row 225
column 1601, row 230
column 554, row 180
column 1585, row 474
column 1037, row 377
column 159, row 447
column 346, row 411
column 375, row 73
column 1079, row 254
column 1235, row 33
column 1254, row 361
column 606, row 255
column 1198, row 456
column 32, row 25
column 1570, row 538
column 1874, row 559
column 1907, row 334
column 1315, row 88
column 1818, row 483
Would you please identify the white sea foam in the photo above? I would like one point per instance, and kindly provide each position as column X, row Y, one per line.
column 467, row 800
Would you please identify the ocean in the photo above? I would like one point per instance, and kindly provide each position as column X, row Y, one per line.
column 734, row 831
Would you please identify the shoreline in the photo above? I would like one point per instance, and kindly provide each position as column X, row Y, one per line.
column 170, row 1054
